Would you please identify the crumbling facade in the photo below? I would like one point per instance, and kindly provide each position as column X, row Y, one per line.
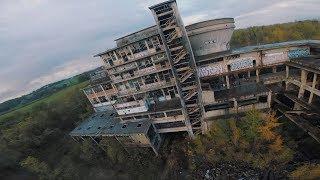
column 172, row 78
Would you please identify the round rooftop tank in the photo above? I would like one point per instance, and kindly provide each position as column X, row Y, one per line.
column 210, row 36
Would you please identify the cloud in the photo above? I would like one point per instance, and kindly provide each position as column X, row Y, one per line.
column 194, row 18
column 69, row 69
column 42, row 41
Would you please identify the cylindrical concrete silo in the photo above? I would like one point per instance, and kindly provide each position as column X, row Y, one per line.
column 210, row 36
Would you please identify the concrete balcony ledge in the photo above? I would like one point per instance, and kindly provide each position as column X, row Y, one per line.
column 175, row 129
column 154, row 85
column 136, row 56
column 132, row 107
column 144, row 71
column 104, row 104
column 169, row 119
column 123, row 69
column 102, row 93
column 146, row 88
column 140, row 73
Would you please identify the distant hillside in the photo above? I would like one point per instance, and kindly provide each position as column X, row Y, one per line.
column 42, row 92
column 309, row 29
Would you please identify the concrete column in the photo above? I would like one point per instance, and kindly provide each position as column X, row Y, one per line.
column 164, row 95
column 103, row 90
column 115, row 54
column 132, row 56
column 228, row 82
column 274, row 69
column 134, row 97
column 287, row 77
column 303, row 83
column 146, row 43
column 204, row 127
column 87, row 97
column 269, row 99
column 257, row 75
column 213, row 97
column 314, row 82
column 95, row 94
column 235, row 104
column 152, row 60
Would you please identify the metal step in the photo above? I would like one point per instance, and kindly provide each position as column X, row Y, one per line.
column 182, row 54
column 190, row 94
column 186, row 75
column 182, row 69
column 176, row 48
column 172, row 36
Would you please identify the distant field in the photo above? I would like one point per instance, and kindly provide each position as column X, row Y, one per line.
column 56, row 97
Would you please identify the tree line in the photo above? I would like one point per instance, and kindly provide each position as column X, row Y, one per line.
column 308, row 29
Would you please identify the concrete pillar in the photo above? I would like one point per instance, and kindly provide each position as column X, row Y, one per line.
column 235, row 104
column 314, row 82
column 257, row 75
column 95, row 94
column 204, row 127
column 274, row 69
column 115, row 54
column 146, row 43
column 105, row 93
column 213, row 97
column 164, row 95
column 228, row 82
column 269, row 99
column 287, row 77
column 303, row 81
column 132, row 56
column 190, row 132
column 87, row 97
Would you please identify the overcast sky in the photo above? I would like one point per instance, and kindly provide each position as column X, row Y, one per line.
column 42, row 41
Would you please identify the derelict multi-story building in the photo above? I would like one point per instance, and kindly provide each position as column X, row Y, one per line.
column 172, row 78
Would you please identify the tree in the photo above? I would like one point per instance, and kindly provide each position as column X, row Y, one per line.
column 36, row 166
column 306, row 171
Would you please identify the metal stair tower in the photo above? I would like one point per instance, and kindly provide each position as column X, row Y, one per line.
column 181, row 58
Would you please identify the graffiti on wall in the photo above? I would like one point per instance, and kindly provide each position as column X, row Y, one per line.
column 241, row 63
column 274, row 58
column 298, row 53
column 210, row 70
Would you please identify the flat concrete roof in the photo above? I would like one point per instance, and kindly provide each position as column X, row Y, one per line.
column 105, row 124
column 169, row 105
column 242, row 90
column 311, row 63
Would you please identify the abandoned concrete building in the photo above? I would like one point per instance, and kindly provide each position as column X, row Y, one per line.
column 171, row 78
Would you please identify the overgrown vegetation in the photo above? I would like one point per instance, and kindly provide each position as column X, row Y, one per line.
column 252, row 141
column 309, row 29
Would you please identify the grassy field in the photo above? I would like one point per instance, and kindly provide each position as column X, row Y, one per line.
column 56, row 97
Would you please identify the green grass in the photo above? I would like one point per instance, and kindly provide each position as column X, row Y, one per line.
column 56, row 97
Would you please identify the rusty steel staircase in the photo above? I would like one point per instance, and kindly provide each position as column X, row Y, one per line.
column 179, row 52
